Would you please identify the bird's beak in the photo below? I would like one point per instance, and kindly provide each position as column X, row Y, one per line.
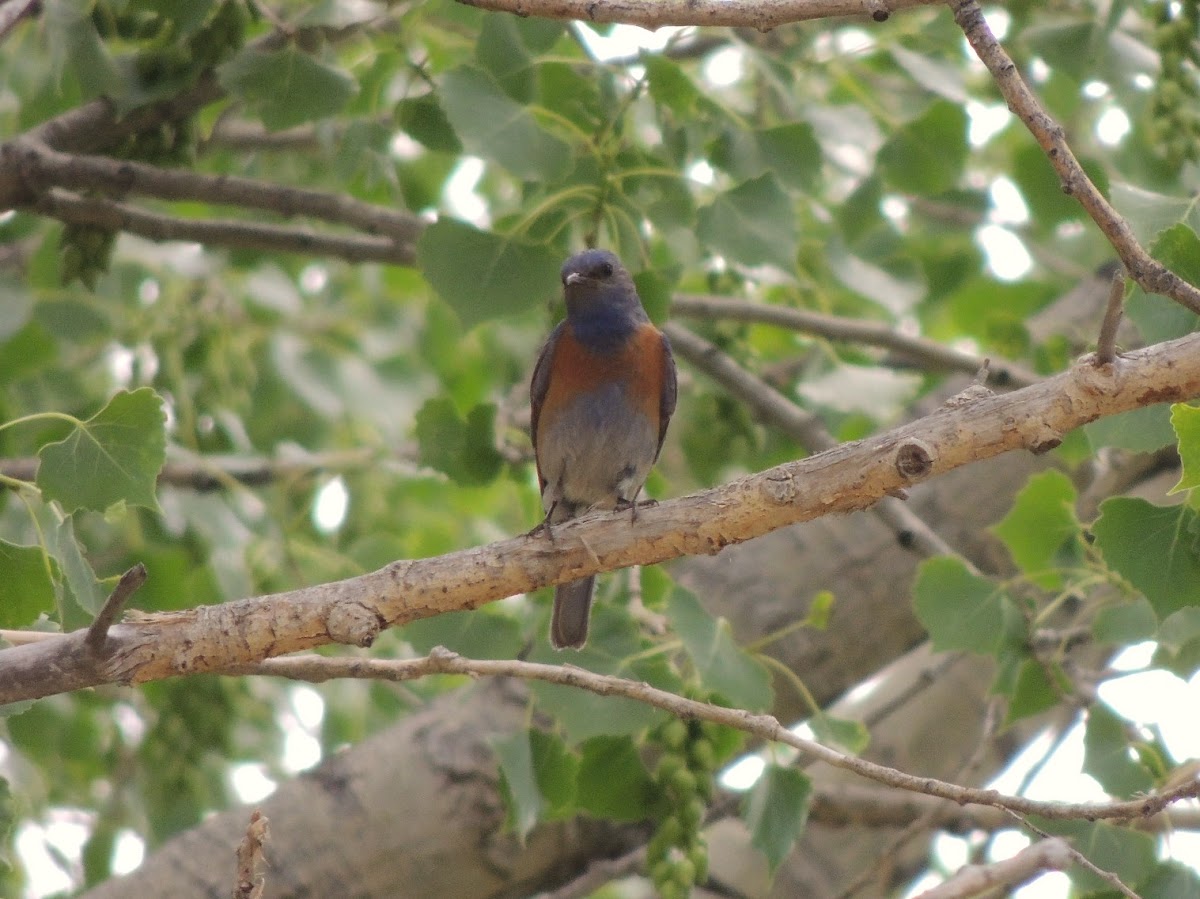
column 573, row 278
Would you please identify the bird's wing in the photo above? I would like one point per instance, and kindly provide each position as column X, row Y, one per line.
column 670, row 393
column 538, row 385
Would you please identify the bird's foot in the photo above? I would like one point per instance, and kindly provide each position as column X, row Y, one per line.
column 633, row 505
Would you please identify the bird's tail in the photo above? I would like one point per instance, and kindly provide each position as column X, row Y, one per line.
column 572, row 606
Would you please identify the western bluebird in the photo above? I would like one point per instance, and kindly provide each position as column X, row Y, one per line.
column 602, row 393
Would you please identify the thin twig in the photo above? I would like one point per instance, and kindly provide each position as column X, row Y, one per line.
column 129, row 583
column 922, row 351
column 245, row 235
column 1149, row 273
column 1106, row 343
column 317, row 669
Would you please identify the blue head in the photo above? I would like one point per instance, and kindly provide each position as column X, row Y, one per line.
column 602, row 303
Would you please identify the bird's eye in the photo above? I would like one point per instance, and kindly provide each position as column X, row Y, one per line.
column 605, row 270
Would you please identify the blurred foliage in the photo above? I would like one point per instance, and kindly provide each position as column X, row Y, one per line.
column 834, row 166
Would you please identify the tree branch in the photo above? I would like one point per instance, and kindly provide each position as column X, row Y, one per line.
column 1053, row 854
column 802, row 426
column 844, row 478
column 42, row 167
column 315, row 669
column 922, row 351
column 245, row 235
column 656, row 13
column 1149, row 273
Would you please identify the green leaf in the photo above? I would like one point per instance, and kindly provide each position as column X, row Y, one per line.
column 791, row 152
column 287, row 87
column 961, row 610
column 17, row 302
column 613, row 783
column 1106, row 754
column 776, row 810
column 894, row 292
column 557, row 772
column 80, row 577
column 669, row 84
column 112, row 457
column 1179, row 643
column 926, row 156
column 1030, row 689
column 493, row 125
column 520, row 784
column 724, row 667
column 424, row 120
column 1141, row 430
column 1123, row 851
column 28, row 584
column 1171, row 880
column 820, row 610
column 752, row 224
column 76, row 47
column 501, row 52
column 1126, row 622
column 481, row 634
column 463, row 449
column 852, row 736
column 1185, row 420
column 1152, row 547
column 1041, row 528
column 1156, row 317
column 615, row 646
column 482, row 275
column 935, row 75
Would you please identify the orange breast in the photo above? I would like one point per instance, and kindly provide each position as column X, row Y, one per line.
column 640, row 364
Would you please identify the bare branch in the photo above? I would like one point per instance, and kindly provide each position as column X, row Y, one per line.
column 1053, row 854
column 1106, row 343
column 42, row 168
column 315, row 669
column 844, row 478
column 656, row 13
column 922, row 351
column 1149, row 273
column 129, row 583
column 245, row 235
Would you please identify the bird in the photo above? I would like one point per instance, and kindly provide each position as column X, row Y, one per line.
column 602, row 394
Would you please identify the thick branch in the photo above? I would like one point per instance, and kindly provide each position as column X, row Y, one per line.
column 922, row 351
column 802, row 426
column 42, row 167
column 243, row 235
column 656, row 13
column 1149, row 273
column 842, row 479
